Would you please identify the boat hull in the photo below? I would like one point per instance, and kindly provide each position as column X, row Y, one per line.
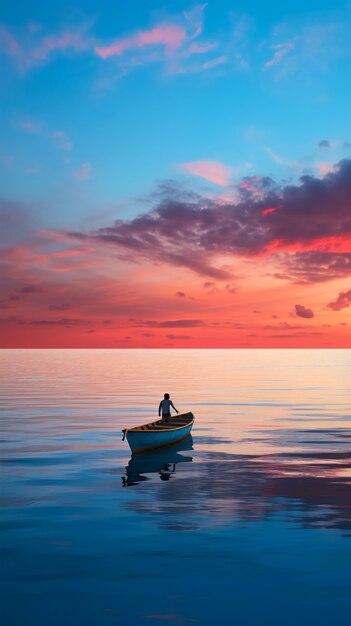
column 141, row 440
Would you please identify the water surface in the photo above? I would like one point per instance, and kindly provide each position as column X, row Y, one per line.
column 249, row 521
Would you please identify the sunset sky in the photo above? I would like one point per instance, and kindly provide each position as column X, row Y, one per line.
column 175, row 174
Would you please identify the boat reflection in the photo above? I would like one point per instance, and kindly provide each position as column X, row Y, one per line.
column 162, row 462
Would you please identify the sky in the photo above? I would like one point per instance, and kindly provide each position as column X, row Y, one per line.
column 175, row 174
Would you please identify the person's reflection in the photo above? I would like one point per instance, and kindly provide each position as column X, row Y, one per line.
column 167, row 470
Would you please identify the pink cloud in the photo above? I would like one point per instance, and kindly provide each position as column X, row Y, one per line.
column 324, row 167
column 343, row 301
column 174, row 39
column 269, row 210
column 60, row 42
column 168, row 36
column 208, row 65
column 197, row 48
column 213, row 171
column 282, row 49
column 63, row 141
column 30, row 54
column 30, row 126
column 84, row 172
column 34, row 127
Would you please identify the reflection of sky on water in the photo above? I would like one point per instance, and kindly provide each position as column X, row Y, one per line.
column 311, row 488
column 250, row 518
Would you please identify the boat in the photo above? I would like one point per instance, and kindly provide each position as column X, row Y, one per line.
column 159, row 433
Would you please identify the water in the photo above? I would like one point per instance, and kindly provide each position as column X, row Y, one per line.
column 252, row 526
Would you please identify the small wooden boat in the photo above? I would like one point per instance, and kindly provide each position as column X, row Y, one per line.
column 160, row 433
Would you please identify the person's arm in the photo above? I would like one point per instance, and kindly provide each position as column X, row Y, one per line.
column 174, row 407
column 159, row 409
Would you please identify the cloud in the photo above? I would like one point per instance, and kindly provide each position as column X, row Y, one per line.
column 281, row 50
column 303, row 268
column 84, row 172
column 58, row 307
column 231, row 288
column 31, row 289
column 301, row 311
column 212, row 171
column 35, row 127
column 277, row 158
column 309, row 235
column 170, row 42
column 197, row 48
column 178, row 337
column 324, row 167
column 168, row 36
column 192, row 323
column 343, row 301
column 324, row 143
column 37, row 50
column 68, row 322
column 180, row 294
column 194, row 19
column 63, row 141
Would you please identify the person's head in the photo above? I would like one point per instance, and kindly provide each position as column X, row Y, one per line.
column 166, row 396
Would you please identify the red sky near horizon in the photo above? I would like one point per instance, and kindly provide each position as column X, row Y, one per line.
column 269, row 269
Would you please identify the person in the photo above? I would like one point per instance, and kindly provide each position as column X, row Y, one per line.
column 165, row 407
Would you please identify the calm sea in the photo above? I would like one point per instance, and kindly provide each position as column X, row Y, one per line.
column 252, row 526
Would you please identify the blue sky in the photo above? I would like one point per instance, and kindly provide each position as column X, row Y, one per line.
column 127, row 122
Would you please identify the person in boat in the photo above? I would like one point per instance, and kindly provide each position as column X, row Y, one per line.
column 165, row 408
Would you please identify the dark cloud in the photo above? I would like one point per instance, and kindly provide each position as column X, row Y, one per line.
column 284, row 326
column 324, row 143
column 58, row 307
column 31, row 289
column 231, row 288
column 293, row 335
column 301, row 311
column 190, row 231
column 342, row 302
column 180, row 294
column 64, row 321
column 314, row 266
column 12, row 319
column 173, row 337
column 169, row 324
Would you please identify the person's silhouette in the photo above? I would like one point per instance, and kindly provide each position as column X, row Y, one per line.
column 165, row 408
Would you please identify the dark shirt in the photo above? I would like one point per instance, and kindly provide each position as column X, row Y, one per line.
column 165, row 407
